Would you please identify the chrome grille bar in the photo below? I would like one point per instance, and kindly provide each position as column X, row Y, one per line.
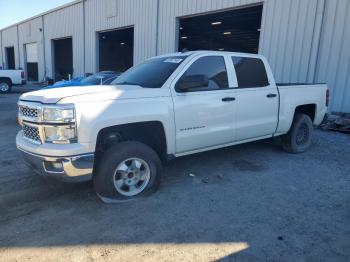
column 29, row 111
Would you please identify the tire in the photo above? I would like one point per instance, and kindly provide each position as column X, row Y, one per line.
column 5, row 86
column 121, row 167
column 299, row 137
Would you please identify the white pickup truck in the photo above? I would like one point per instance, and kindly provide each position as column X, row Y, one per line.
column 9, row 78
column 165, row 107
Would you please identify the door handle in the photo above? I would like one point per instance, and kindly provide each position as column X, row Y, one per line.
column 228, row 99
column 271, row 95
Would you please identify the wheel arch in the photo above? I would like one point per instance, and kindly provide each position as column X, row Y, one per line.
column 288, row 113
column 6, row 78
column 307, row 109
column 151, row 133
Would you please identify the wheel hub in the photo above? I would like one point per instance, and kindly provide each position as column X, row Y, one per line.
column 4, row 87
column 131, row 176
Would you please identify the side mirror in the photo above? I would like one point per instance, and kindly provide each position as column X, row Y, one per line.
column 187, row 83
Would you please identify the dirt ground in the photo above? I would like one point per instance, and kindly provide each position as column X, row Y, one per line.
column 251, row 202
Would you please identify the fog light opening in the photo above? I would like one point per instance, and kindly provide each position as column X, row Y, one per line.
column 53, row 167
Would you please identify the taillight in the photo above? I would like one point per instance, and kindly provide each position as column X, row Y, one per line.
column 22, row 74
column 327, row 97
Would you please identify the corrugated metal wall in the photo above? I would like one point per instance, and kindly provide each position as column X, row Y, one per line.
column 9, row 38
column 31, row 32
column 287, row 31
column 305, row 41
column 66, row 22
column 287, row 40
column 113, row 14
column 333, row 64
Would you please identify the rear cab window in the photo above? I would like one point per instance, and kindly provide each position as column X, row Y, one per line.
column 250, row 72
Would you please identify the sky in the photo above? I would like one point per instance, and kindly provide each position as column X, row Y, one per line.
column 14, row 11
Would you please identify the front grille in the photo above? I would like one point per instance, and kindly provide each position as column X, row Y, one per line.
column 31, row 133
column 29, row 112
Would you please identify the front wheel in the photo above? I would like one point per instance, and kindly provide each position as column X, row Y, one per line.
column 126, row 171
column 299, row 137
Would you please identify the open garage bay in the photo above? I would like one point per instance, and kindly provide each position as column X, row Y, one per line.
column 235, row 30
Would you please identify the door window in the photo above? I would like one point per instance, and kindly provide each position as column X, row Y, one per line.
column 211, row 67
column 250, row 72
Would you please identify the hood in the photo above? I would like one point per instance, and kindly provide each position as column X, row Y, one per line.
column 92, row 93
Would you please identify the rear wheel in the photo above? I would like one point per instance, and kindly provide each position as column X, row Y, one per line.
column 126, row 171
column 299, row 137
column 5, row 86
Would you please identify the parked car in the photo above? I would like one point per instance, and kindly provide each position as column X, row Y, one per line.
column 9, row 78
column 166, row 107
column 110, row 80
column 100, row 78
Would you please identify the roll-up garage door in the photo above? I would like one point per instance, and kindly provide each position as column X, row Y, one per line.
column 116, row 49
column 235, row 30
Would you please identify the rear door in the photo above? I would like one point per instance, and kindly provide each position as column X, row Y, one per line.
column 256, row 98
column 204, row 116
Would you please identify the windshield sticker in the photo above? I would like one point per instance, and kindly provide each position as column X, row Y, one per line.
column 173, row 60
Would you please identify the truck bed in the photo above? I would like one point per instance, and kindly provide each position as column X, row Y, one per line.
column 292, row 95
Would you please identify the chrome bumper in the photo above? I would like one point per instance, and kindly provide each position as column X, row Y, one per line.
column 69, row 169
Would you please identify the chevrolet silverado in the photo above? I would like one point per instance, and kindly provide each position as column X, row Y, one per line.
column 168, row 106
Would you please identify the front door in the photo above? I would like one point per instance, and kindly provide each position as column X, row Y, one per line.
column 204, row 116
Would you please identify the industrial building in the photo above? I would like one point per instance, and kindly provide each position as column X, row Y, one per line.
column 304, row 40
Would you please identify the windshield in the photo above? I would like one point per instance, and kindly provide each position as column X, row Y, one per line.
column 109, row 80
column 152, row 73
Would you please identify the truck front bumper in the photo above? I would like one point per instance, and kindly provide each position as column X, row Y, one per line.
column 69, row 169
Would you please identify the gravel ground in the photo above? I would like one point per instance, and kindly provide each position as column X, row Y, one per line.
column 251, row 202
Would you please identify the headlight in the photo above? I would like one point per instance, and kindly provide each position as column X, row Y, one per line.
column 60, row 134
column 58, row 114
column 59, row 125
